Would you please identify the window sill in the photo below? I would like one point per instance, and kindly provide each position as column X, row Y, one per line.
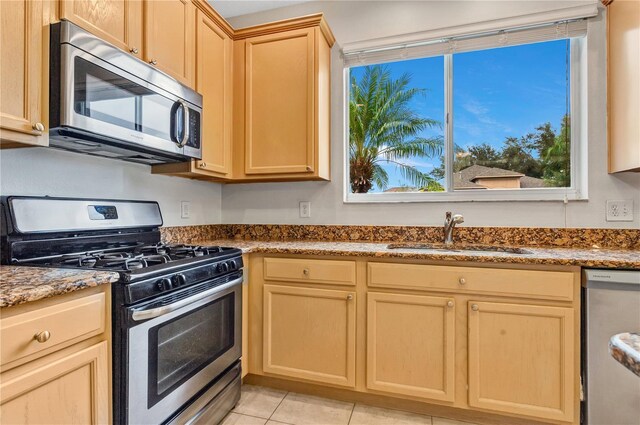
column 493, row 195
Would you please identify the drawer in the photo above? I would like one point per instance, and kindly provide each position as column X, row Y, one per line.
column 67, row 322
column 332, row 272
column 508, row 282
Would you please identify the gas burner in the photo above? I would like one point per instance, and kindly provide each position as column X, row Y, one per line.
column 189, row 251
column 158, row 249
column 78, row 260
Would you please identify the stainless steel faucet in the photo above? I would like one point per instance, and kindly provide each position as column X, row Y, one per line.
column 450, row 222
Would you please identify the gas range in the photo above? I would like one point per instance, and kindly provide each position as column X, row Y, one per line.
column 177, row 309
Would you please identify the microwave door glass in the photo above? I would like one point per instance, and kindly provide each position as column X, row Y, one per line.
column 103, row 95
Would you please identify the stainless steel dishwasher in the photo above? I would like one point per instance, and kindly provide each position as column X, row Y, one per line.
column 611, row 306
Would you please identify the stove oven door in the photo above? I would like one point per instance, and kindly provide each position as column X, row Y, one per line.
column 180, row 345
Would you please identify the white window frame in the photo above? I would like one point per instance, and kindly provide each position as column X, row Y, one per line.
column 579, row 142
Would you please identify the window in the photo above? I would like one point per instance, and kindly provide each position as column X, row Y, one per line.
column 493, row 117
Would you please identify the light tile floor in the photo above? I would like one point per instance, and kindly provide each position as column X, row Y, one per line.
column 266, row 406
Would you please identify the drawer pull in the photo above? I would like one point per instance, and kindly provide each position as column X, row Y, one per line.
column 462, row 281
column 305, row 272
column 450, row 304
column 42, row 337
column 475, row 307
column 349, row 297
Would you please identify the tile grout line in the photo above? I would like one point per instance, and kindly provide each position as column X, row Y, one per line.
column 351, row 414
column 274, row 410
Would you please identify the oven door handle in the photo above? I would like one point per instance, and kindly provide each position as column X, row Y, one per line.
column 209, row 294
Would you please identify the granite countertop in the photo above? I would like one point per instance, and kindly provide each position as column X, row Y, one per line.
column 19, row 285
column 625, row 348
column 601, row 258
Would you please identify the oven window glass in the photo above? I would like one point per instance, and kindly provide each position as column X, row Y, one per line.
column 182, row 347
column 103, row 95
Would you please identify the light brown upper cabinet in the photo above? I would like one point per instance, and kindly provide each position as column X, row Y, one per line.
column 214, row 49
column 169, row 38
column 118, row 22
column 623, row 88
column 23, row 58
column 282, row 101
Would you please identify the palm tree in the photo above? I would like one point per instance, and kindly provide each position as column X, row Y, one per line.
column 384, row 129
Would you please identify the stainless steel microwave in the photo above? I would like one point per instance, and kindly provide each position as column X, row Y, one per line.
column 105, row 102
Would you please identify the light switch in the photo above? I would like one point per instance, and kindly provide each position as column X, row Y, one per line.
column 185, row 209
column 620, row 210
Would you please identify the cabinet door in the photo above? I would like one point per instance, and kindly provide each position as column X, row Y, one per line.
column 21, row 54
column 310, row 334
column 213, row 80
column 623, row 89
column 69, row 390
column 521, row 359
column 169, row 37
column 410, row 345
column 117, row 21
column 279, row 102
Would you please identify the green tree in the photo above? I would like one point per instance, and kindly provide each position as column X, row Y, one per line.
column 383, row 128
column 556, row 157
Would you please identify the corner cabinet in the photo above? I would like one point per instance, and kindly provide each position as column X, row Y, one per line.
column 117, row 22
column 623, row 85
column 23, row 54
column 214, row 77
column 169, row 33
column 282, row 101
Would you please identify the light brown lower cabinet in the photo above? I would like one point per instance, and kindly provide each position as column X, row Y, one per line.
column 521, row 359
column 496, row 344
column 411, row 345
column 310, row 334
column 55, row 360
column 71, row 389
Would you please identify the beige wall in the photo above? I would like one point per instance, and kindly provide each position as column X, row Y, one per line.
column 360, row 20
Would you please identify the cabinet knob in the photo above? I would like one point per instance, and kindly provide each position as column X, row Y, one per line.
column 203, row 165
column 450, row 304
column 305, row 272
column 462, row 281
column 475, row 307
column 153, row 62
column 38, row 126
column 134, row 50
column 42, row 337
column 308, row 168
column 349, row 297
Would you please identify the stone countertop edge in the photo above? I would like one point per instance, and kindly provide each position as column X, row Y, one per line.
column 20, row 285
column 625, row 348
column 580, row 257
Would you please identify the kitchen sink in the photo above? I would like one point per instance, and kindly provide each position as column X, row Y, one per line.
column 458, row 247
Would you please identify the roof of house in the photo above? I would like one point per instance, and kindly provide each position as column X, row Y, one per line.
column 467, row 177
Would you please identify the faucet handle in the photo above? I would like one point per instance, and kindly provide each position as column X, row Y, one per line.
column 458, row 218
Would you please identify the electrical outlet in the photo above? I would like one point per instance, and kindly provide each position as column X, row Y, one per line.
column 620, row 210
column 185, row 209
column 305, row 209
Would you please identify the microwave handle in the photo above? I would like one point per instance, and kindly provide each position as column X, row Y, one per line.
column 180, row 141
column 209, row 294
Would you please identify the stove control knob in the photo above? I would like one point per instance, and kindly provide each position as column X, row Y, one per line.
column 233, row 265
column 179, row 280
column 164, row 284
column 223, row 267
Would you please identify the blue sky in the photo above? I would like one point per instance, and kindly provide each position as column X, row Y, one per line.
column 497, row 93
